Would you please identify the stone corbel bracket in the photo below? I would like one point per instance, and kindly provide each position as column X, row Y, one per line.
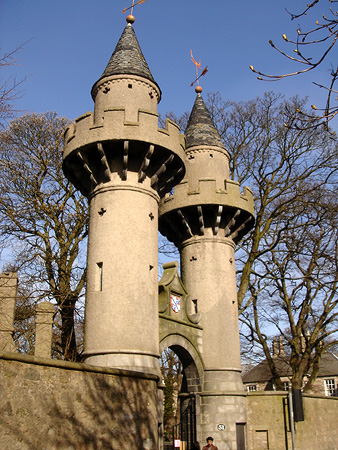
column 94, row 150
column 186, row 212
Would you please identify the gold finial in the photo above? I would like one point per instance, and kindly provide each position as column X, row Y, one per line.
column 198, row 88
column 130, row 18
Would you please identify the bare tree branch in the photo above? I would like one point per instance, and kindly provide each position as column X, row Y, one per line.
column 43, row 218
column 312, row 47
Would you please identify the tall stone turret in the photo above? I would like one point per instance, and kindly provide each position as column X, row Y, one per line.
column 205, row 217
column 124, row 164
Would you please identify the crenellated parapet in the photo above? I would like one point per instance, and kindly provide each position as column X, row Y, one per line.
column 228, row 212
column 96, row 149
column 113, row 126
column 207, row 193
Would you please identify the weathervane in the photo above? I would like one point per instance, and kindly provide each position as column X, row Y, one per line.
column 198, row 88
column 130, row 18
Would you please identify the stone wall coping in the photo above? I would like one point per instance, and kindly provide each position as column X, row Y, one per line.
column 220, row 370
column 267, row 393
column 68, row 365
column 325, row 397
column 222, row 394
column 285, row 393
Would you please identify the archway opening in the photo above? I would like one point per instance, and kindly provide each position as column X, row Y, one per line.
column 172, row 378
column 181, row 383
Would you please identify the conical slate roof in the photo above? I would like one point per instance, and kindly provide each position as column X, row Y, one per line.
column 128, row 58
column 201, row 129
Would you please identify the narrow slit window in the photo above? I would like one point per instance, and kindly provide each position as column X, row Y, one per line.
column 100, row 275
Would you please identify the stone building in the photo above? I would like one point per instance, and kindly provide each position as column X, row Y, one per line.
column 259, row 378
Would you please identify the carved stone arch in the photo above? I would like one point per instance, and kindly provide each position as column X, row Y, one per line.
column 190, row 358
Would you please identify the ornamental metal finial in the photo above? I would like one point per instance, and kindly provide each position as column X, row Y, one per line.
column 198, row 88
column 130, row 18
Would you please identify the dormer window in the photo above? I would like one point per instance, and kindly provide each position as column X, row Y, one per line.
column 251, row 387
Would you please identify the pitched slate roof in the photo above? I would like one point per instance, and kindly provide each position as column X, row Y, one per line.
column 262, row 372
column 127, row 58
column 328, row 366
column 201, row 129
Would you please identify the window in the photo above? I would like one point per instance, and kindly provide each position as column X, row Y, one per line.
column 330, row 387
column 99, row 283
column 286, row 385
column 251, row 387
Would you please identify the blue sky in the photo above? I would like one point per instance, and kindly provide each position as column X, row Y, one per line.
column 71, row 41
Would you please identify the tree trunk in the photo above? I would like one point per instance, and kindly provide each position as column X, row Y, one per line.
column 68, row 339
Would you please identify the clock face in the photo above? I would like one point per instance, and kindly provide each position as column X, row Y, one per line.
column 175, row 302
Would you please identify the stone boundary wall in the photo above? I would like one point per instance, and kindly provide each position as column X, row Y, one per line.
column 268, row 422
column 51, row 404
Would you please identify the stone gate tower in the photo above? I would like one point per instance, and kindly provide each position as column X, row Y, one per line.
column 205, row 217
column 123, row 163
column 130, row 169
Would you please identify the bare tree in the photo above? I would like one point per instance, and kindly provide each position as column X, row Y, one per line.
column 42, row 218
column 312, row 46
column 294, row 289
column 287, row 265
column 171, row 371
column 24, row 323
column 8, row 87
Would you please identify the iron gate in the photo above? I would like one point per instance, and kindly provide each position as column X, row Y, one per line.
column 185, row 431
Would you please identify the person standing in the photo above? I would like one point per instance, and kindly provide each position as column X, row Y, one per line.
column 210, row 444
